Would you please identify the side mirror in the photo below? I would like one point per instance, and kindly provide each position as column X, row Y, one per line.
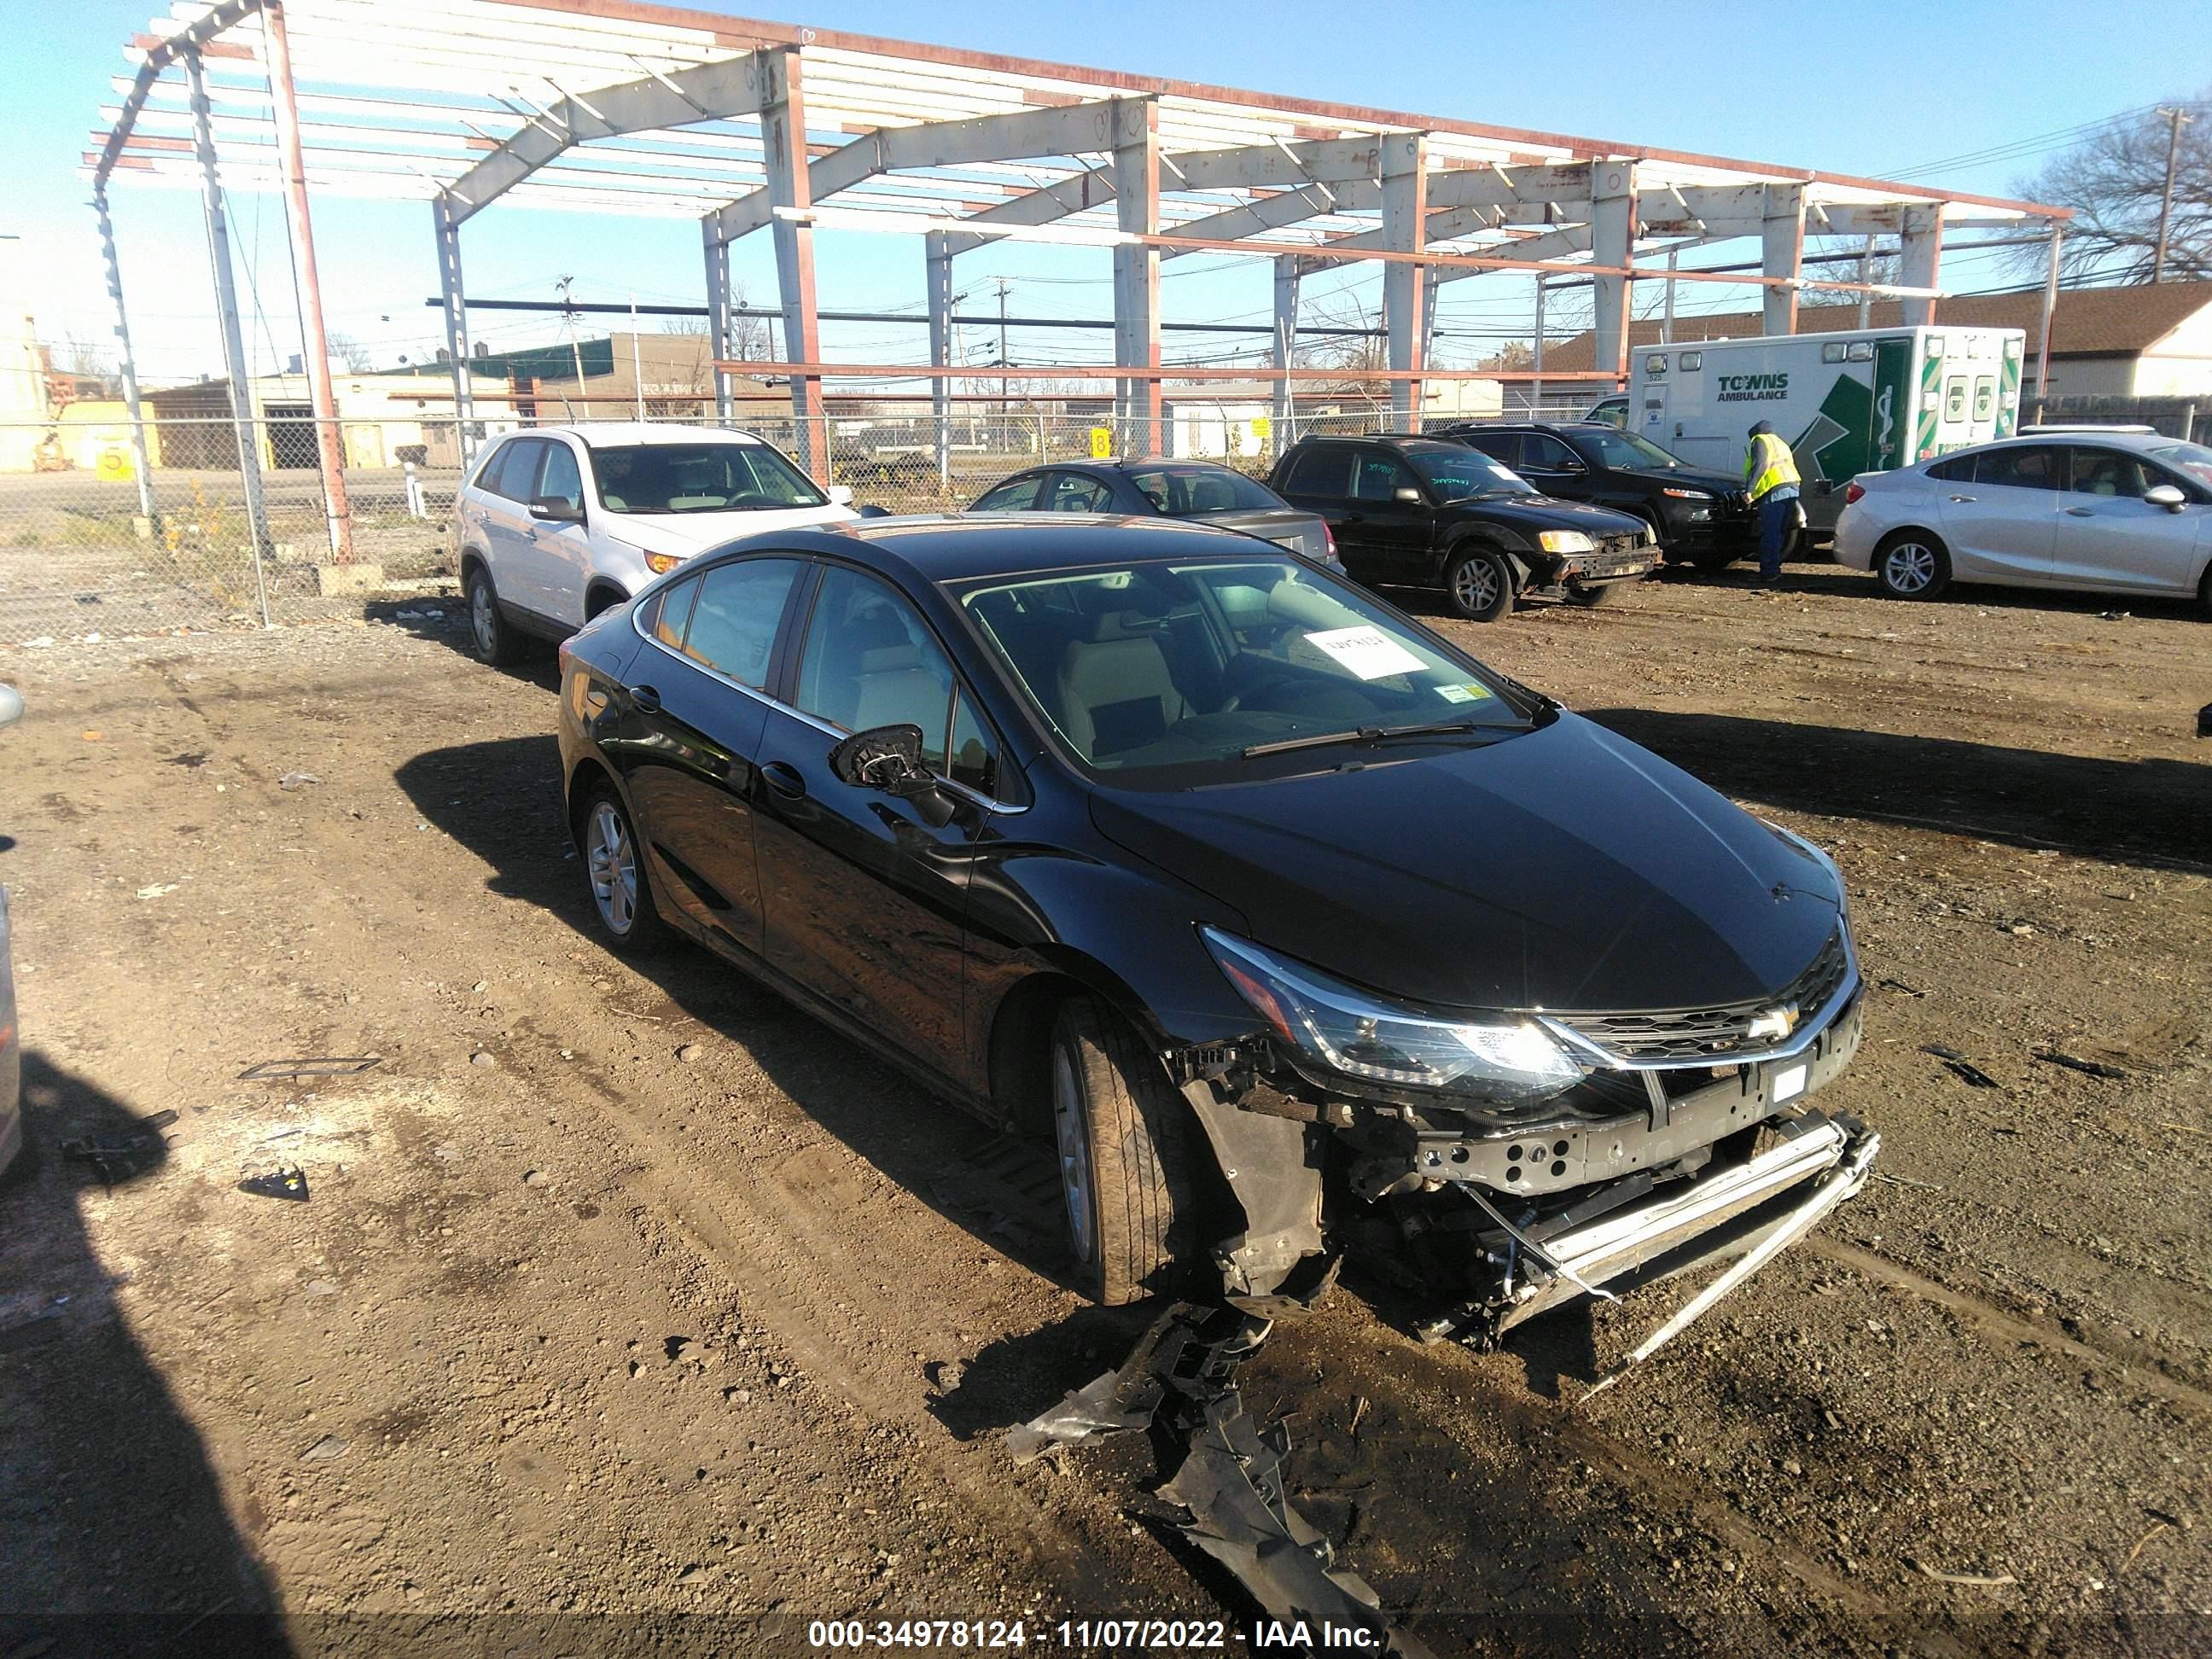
column 1406, row 493
column 556, row 509
column 840, row 494
column 889, row 758
column 872, row 511
column 11, row 705
column 2166, row 496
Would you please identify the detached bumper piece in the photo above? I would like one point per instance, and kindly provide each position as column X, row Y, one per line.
column 1181, row 1376
column 1798, row 1171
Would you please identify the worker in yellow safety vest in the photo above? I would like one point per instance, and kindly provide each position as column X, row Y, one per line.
column 1770, row 475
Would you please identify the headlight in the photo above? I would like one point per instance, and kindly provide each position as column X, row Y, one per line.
column 1505, row 1060
column 1687, row 495
column 661, row 563
column 1564, row 541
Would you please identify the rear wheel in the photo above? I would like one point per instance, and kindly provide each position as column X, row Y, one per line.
column 1120, row 1125
column 1912, row 565
column 1479, row 584
column 2204, row 591
column 613, row 864
column 494, row 640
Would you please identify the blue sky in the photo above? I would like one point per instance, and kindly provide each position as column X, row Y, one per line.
column 1879, row 90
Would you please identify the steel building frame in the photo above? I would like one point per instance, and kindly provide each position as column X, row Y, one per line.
column 608, row 106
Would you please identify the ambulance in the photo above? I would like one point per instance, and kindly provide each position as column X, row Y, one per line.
column 1861, row 401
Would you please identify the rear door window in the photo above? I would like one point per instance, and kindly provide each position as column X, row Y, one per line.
column 663, row 618
column 1325, row 470
column 1955, row 398
column 2033, row 467
column 1959, row 469
column 740, row 606
column 1074, row 492
column 514, row 474
column 1015, row 495
column 1498, row 446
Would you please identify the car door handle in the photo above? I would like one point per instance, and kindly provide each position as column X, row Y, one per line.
column 2081, row 512
column 647, row 699
column 784, row 779
column 1962, row 498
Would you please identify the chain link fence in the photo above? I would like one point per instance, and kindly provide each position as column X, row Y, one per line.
column 88, row 545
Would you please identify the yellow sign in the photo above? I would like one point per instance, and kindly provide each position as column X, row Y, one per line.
column 115, row 464
column 1102, row 443
column 1263, row 427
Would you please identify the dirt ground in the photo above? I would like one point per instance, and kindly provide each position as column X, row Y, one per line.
column 631, row 1305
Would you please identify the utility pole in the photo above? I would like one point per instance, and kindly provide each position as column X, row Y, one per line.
column 569, row 316
column 2176, row 119
column 1004, row 386
column 1866, row 276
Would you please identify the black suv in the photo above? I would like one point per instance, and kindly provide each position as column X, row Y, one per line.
column 1700, row 516
column 1432, row 513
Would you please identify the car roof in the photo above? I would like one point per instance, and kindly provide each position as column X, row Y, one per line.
column 1394, row 440
column 601, row 433
column 958, row 547
column 2144, row 441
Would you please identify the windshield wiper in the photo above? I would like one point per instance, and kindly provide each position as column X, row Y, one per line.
column 1364, row 734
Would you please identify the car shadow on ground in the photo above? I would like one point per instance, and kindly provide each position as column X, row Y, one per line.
column 118, row 1538
column 501, row 799
column 2147, row 810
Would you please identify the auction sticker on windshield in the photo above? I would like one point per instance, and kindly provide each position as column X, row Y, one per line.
column 1366, row 652
column 1469, row 693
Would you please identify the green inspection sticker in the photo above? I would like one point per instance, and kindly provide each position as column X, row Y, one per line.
column 1463, row 693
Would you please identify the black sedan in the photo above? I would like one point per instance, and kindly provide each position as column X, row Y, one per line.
column 1261, row 902
column 1195, row 491
column 1702, row 517
column 1431, row 512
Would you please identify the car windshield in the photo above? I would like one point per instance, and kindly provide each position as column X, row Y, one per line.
column 1456, row 474
column 702, row 478
column 1165, row 672
column 1190, row 492
column 1625, row 450
column 2195, row 459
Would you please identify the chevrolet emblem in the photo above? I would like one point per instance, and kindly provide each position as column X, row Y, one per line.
column 1776, row 1022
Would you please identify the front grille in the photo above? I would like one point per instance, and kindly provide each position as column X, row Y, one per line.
column 1692, row 1033
column 1619, row 550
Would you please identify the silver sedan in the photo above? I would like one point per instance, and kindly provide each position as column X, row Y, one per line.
column 2116, row 514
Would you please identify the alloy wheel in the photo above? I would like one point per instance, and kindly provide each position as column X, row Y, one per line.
column 1476, row 585
column 1909, row 568
column 1072, row 1133
column 483, row 619
column 613, row 860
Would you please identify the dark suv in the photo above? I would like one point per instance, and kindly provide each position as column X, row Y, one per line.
column 1432, row 513
column 1700, row 516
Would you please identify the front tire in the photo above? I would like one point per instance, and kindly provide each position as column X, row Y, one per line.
column 1120, row 1128
column 1596, row 593
column 491, row 636
column 622, row 890
column 1912, row 565
column 1478, row 585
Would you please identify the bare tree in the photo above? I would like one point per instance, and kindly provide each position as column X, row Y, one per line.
column 2115, row 181
column 749, row 339
column 350, row 352
column 83, row 353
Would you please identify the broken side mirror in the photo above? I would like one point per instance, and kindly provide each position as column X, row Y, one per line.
column 2166, row 496
column 889, row 758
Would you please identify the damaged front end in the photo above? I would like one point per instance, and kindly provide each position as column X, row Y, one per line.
column 1513, row 1163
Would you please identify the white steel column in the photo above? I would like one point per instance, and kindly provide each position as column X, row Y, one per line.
column 235, row 362
column 1866, row 276
column 128, row 363
column 457, row 327
column 1137, row 274
column 783, row 140
column 1404, row 211
column 1781, row 253
column 1920, row 260
column 1612, row 242
column 2042, row 323
column 1287, row 341
column 1536, row 357
column 717, row 254
column 936, row 266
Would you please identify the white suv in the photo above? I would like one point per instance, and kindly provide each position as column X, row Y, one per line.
column 553, row 526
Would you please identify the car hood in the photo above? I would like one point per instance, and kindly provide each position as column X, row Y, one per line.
column 1545, row 512
column 1684, row 477
column 1562, row 868
column 686, row 533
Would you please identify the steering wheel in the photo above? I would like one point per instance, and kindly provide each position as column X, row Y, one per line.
column 1250, row 694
